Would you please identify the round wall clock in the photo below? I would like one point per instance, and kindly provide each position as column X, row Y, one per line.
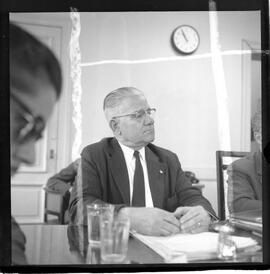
column 185, row 39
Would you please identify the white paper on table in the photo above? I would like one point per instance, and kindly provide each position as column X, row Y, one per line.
column 196, row 246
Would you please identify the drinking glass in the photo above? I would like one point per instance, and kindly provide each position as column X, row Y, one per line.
column 226, row 245
column 114, row 240
column 94, row 212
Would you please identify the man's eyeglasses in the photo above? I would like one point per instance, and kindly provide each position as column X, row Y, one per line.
column 140, row 114
column 33, row 125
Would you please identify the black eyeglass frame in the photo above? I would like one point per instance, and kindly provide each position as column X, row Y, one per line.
column 34, row 125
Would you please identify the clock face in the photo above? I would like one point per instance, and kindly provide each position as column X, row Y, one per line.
column 185, row 39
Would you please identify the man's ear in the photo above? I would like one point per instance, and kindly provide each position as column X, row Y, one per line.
column 114, row 126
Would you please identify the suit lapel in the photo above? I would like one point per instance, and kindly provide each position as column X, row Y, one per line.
column 117, row 165
column 156, row 175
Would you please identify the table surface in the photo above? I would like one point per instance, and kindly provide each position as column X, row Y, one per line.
column 63, row 244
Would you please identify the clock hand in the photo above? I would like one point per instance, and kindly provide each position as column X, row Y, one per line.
column 184, row 35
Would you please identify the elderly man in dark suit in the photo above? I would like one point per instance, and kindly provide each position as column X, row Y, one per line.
column 143, row 181
column 245, row 175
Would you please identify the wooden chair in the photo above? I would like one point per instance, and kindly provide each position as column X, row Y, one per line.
column 223, row 160
column 56, row 204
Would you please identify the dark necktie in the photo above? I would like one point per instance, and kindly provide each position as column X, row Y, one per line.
column 138, row 197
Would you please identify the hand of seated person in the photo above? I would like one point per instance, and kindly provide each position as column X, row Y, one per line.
column 151, row 221
column 193, row 219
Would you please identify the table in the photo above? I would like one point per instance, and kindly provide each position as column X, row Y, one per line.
column 63, row 244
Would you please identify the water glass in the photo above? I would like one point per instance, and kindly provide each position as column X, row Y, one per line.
column 226, row 245
column 114, row 240
column 94, row 212
column 93, row 255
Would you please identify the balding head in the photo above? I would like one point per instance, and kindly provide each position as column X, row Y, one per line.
column 113, row 101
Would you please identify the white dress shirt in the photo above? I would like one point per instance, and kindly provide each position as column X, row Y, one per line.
column 131, row 163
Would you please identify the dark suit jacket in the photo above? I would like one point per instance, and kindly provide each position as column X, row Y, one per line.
column 245, row 183
column 105, row 177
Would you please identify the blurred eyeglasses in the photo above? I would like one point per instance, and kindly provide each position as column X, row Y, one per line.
column 33, row 126
column 140, row 114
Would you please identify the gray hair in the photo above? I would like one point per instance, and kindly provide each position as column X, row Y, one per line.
column 114, row 99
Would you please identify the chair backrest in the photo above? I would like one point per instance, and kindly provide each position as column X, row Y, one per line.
column 223, row 160
column 56, row 204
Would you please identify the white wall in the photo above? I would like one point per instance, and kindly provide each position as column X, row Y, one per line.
column 183, row 91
